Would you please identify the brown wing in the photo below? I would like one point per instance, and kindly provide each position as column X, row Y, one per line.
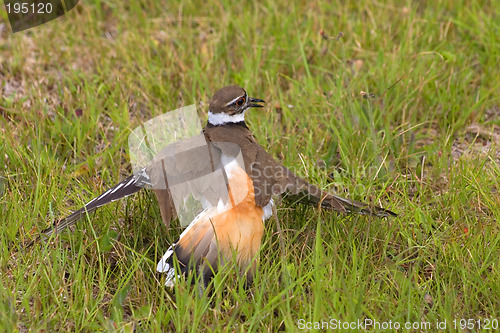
column 275, row 179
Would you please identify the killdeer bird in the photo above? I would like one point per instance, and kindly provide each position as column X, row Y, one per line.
column 228, row 224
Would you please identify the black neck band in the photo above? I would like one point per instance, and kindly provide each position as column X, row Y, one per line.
column 240, row 123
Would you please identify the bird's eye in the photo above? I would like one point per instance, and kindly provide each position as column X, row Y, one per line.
column 240, row 101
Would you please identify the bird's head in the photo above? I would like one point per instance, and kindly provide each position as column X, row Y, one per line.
column 229, row 104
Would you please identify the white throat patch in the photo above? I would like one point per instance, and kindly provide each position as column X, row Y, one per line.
column 223, row 118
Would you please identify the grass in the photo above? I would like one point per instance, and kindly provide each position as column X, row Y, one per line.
column 422, row 140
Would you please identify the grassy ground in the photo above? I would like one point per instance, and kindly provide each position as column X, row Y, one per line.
column 422, row 140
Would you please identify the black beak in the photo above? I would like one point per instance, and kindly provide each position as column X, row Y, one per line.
column 256, row 103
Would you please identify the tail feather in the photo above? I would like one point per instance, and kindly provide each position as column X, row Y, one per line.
column 218, row 233
column 166, row 265
column 192, row 250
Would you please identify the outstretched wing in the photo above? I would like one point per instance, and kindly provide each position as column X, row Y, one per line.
column 121, row 190
column 272, row 178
